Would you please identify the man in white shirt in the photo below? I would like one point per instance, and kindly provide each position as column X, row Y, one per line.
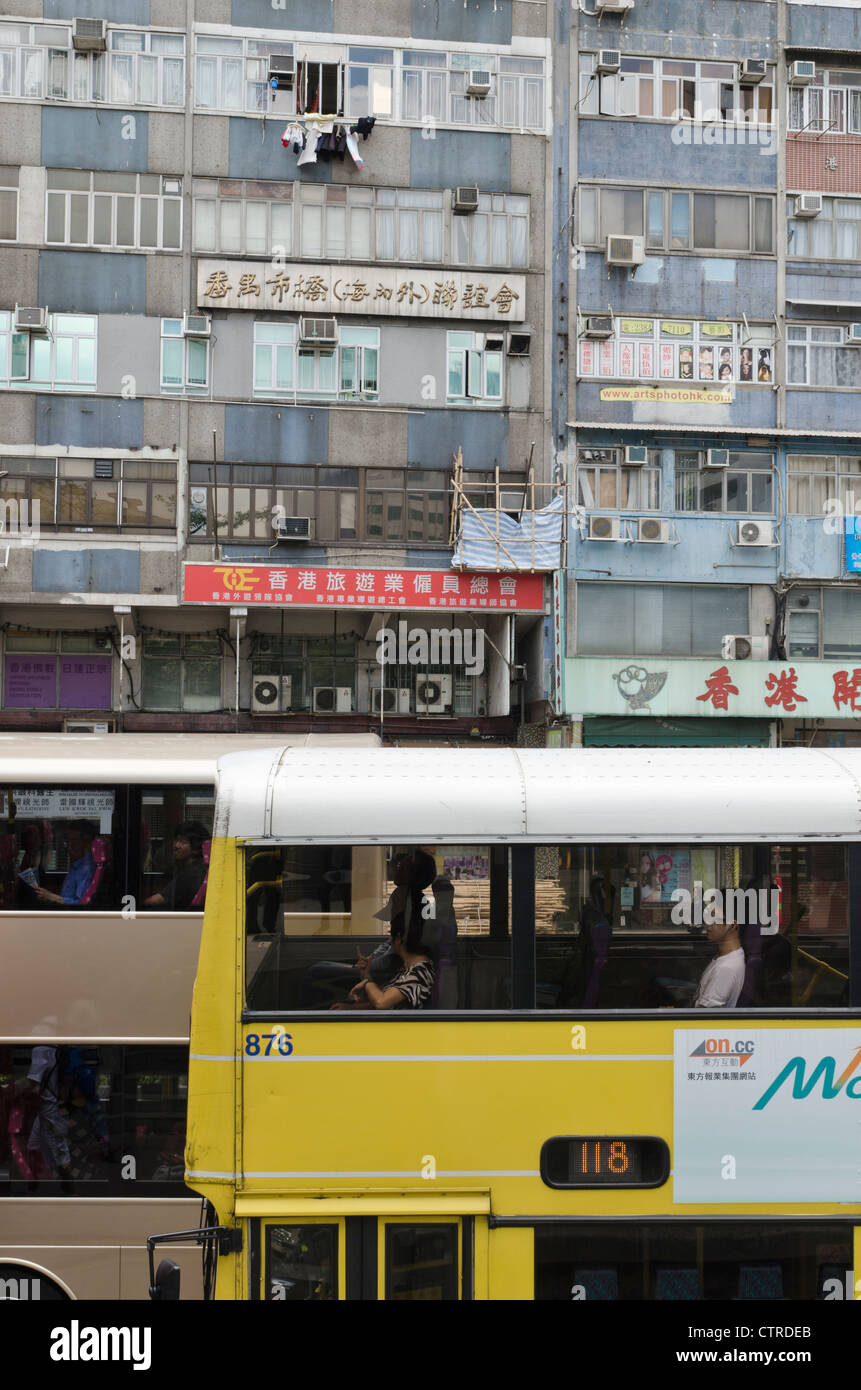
column 721, row 981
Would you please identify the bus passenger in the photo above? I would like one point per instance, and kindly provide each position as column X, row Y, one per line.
column 50, row 1132
column 82, row 867
column 178, row 893
column 410, row 988
column 721, row 982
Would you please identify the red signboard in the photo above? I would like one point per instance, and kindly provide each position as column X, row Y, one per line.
column 392, row 588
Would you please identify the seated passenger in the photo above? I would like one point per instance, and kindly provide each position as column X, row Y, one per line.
column 82, row 867
column 178, row 892
column 721, row 981
column 410, row 988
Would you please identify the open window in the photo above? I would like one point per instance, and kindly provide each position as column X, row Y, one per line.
column 319, row 88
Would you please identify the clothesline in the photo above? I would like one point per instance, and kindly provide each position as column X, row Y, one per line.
column 325, row 137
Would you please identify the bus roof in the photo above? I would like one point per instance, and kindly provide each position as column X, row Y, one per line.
column 445, row 795
column 143, row 757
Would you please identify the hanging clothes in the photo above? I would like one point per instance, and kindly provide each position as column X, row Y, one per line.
column 293, row 135
column 312, row 138
column 353, row 147
column 364, row 125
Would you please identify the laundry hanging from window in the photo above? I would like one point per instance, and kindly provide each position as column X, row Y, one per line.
column 325, row 140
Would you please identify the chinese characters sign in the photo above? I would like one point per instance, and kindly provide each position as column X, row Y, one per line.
column 746, row 689
column 355, row 289
column 408, row 589
column 30, row 682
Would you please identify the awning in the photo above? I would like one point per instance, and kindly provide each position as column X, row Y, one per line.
column 659, row 427
column 608, row 731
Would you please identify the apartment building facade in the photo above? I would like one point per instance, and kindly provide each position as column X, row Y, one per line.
column 265, row 270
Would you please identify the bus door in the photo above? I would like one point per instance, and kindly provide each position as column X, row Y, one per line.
column 366, row 1257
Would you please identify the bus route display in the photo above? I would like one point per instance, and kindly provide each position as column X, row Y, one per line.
column 605, row 1160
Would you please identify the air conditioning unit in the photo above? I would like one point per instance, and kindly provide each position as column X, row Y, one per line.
column 465, row 198
column 808, row 204
column 717, row 458
column 478, row 82
column 598, row 326
column 90, row 35
column 650, row 528
column 512, row 500
column 755, row 533
column 636, row 455
column 751, row 71
column 318, row 330
column 603, row 528
column 295, row 528
column 801, row 73
column 271, row 694
column 608, row 60
column 33, row 320
column 613, row 6
column 395, row 700
column 853, row 332
column 625, row 250
column 746, row 648
column 519, row 343
column 89, row 726
column 433, row 692
column 332, row 699
column 282, row 68
column 197, row 325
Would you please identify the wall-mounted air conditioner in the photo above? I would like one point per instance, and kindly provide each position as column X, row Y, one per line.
column 717, row 458
column 90, row 35
column 603, row 528
column 332, row 699
column 519, row 344
column 598, row 326
column 608, row 60
column 30, row 320
column 636, row 455
column 801, row 73
column 808, row 204
column 318, row 330
column 613, row 6
column 853, row 333
column 197, row 325
column 465, row 198
column 653, row 530
column 282, row 67
column 745, row 648
column 395, row 700
column 295, row 528
column 625, row 250
column 89, row 726
column 271, row 694
column 751, row 71
column 433, row 692
column 755, row 533
column 478, row 82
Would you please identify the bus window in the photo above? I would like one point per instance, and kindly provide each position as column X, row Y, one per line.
column 302, row 1263
column 679, row 1260
column 57, row 848
column 172, row 879
column 626, row 926
column 321, row 920
column 93, row 1121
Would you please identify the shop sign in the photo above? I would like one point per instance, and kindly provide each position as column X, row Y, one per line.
column 277, row 585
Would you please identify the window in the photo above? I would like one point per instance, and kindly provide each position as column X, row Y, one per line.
column 123, row 210
column 184, row 361
column 91, row 494
column 824, row 624
column 831, row 103
column 433, row 85
column 673, row 221
column 474, row 367
column 674, row 89
column 310, row 663
column 63, row 359
column 370, row 82
column 66, row 670
column 815, row 479
column 834, row 234
column 658, row 619
column 8, row 204
column 140, row 68
column 746, row 486
column 284, row 367
column 182, row 672
column 376, row 504
column 662, row 349
column 604, row 484
column 820, row 357
column 346, row 222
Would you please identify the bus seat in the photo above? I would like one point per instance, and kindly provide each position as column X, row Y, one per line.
column 677, row 1282
column 599, row 1285
column 760, row 1281
column 200, row 896
column 101, row 853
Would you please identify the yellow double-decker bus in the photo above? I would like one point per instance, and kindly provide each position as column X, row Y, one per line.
column 499, row 1024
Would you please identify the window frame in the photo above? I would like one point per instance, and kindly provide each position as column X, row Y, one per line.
column 659, row 345
column 474, row 367
column 838, row 483
column 817, row 607
column 186, row 387
column 701, row 475
column 668, row 198
column 599, row 91
column 640, row 588
column 824, row 122
column 7, row 173
column 53, row 338
column 98, row 83
column 183, row 638
column 801, row 227
column 799, row 338
column 616, row 470
column 19, row 485
column 161, row 198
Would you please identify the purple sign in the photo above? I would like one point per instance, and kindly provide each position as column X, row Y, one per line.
column 85, row 682
column 30, row 682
